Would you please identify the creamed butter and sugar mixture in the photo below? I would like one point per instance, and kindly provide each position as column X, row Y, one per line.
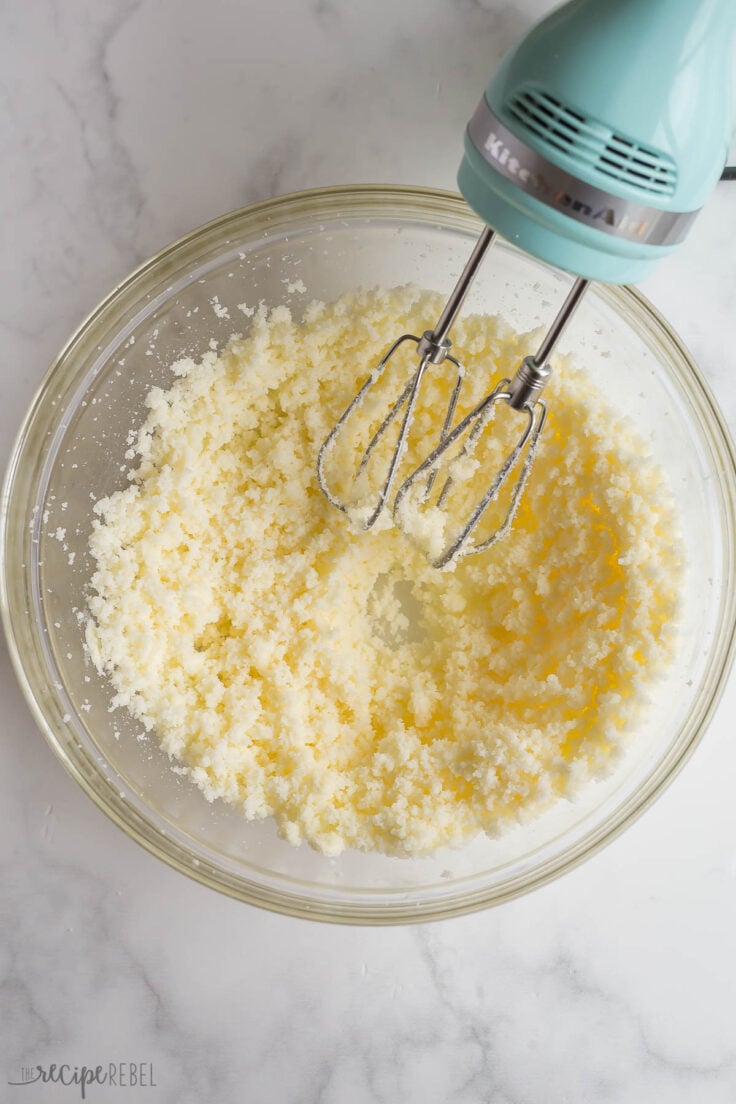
column 335, row 680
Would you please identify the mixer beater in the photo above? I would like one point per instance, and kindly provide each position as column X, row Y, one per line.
column 433, row 347
column 594, row 146
column 520, row 393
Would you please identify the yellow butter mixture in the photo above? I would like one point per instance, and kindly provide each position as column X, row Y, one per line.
column 334, row 680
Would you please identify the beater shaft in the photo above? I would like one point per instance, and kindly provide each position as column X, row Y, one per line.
column 565, row 313
column 533, row 373
column 438, row 336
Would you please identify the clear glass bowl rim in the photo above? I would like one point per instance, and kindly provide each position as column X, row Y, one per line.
column 354, row 201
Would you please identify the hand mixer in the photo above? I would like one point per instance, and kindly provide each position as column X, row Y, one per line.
column 594, row 146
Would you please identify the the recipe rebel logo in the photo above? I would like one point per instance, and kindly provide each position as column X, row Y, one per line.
column 116, row 1075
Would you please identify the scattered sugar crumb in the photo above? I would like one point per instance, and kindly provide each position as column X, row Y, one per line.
column 218, row 308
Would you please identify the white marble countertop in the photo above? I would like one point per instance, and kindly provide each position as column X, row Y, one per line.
column 124, row 124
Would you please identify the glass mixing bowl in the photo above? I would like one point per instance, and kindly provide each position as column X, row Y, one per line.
column 71, row 448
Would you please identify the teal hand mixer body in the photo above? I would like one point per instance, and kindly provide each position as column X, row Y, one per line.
column 594, row 146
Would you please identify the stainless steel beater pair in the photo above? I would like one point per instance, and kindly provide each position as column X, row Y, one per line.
column 522, row 393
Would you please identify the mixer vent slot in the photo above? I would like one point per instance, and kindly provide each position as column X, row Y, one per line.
column 593, row 143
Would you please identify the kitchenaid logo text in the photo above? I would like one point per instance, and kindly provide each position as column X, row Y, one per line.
column 536, row 182
column 118, row 1075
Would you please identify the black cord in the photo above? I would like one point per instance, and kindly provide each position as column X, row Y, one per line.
column 729, row 173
